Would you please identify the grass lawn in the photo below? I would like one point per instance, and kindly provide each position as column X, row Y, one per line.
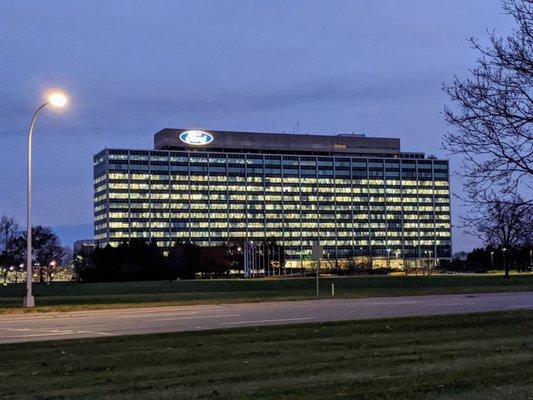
column 474, row 357
column 74, row 296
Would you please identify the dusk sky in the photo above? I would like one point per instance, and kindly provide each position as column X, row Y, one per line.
column 132, row 68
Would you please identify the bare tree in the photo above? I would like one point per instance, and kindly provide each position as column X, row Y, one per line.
column 46, row 250
column 492, row 113
column 17, row 272
column 9, row 255
column 8, row 231
column 68, row 256
column 48, row 271
column 506, row 224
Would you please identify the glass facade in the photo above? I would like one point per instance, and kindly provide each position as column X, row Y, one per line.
column 354, row 205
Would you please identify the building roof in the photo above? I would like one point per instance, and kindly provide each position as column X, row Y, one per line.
column 169, row 139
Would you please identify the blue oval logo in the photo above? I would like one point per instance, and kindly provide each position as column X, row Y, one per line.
column 196, row 138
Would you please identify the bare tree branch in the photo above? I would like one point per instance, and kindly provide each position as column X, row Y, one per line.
column 492, row 112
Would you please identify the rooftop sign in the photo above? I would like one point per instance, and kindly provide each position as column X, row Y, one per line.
column 196, row 138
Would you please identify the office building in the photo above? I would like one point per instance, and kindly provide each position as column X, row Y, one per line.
column 356, row 195
column 84, row 247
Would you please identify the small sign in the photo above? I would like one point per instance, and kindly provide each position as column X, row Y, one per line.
column 196, row 138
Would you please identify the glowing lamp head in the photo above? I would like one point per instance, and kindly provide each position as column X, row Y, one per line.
column 57, row 99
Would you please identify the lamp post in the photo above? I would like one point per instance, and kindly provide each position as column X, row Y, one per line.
column 239, row 252
column 388, row 258
column 252, row 258
column 58, row 100
column 246, row 259
column 53, row 265
column 492, row 260
column 506, row 274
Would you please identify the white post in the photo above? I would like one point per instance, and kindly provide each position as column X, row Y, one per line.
column 252, row 252
column 317, row 267
column 244, row 255
column 317, row 254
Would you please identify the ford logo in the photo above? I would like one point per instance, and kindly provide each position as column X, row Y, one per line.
column 196, row 138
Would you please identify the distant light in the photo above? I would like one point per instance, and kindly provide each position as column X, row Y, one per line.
column 57, row 99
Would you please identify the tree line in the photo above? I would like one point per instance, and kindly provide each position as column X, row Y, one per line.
column 518, row 258
column 138, row 260
column 48, row 254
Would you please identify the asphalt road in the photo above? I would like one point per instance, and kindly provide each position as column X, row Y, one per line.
column 81, row 324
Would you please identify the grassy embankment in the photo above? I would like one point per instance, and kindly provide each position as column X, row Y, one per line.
column 474, row 357
column 75, row 296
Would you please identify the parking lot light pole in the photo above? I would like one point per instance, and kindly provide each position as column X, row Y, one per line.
column 55, row 99
column 506, row 270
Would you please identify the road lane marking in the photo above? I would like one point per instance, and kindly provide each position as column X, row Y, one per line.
column 34, row 335
column 16, row 329
column 145, row 315
column 89, row 315
column 49, row 332
column 95, row 332
column 265, row 320
column 383, row 303
column 57, row 333
column 199, row 317
column 121, row 312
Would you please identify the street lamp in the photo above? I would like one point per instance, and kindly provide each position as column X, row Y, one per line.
column 506, row 274
column 58, row 100
column 492, row 260
column 388, row 258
